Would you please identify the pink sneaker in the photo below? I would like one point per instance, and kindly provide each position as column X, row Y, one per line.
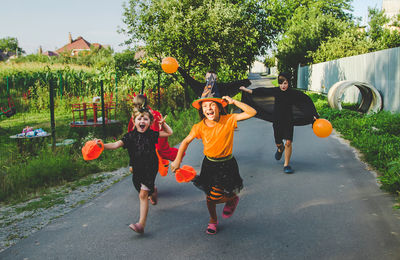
column 230, row 208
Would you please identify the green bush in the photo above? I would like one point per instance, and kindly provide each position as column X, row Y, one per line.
column 376, row 136
column 45, row 170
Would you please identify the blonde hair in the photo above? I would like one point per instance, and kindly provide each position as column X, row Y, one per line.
column 141, row 112
column 140, row 101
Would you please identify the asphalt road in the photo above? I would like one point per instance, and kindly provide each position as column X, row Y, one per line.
column 330, row 208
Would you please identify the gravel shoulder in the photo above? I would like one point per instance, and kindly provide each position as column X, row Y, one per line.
column 15, row 226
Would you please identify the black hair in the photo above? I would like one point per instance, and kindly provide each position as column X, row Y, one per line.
column 284, row 76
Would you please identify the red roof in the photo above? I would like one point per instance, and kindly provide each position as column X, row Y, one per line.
column 50, row 53
column 77, row 45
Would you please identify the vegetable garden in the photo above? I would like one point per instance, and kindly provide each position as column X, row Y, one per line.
column 43, row 165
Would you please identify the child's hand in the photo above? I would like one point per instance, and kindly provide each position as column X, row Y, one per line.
column 98, row 142
column 228, row 99
column 175, row 166
column 242, row 88
column 162, row 121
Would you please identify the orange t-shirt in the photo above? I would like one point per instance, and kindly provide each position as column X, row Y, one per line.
column 217, row 140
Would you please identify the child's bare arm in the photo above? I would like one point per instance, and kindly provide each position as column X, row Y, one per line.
column 181, row 151
column 242, row 88
column 113, row 146
column 165, row 129
column 248, row 111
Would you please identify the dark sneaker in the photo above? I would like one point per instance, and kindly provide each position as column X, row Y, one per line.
column 288, row 169
column 278, row 155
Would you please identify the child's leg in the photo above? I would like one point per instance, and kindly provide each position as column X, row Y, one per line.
column 230, row 206
column 212, row 210
column 144, row 206
column 153, row 198
column 288, row 152
column 280, row 147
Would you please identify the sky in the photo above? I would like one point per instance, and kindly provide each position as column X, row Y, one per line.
column 47, row 23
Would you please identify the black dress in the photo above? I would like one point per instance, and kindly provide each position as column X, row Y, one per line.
column 285, row 109
column 143, row 157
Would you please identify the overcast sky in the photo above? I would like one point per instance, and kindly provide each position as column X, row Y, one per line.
column 47, row 23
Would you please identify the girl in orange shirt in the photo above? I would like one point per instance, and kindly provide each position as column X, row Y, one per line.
column 219, row 177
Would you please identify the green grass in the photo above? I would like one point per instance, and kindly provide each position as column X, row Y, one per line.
column 28, row 175
column 376, row 136
column 25, row 175
column 45, row 202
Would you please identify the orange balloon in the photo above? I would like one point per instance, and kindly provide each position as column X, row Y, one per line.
column 169, row 65
column 92, row 150
column 322, row 128
column 185, row 174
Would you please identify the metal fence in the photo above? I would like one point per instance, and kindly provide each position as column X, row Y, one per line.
column 381, row 69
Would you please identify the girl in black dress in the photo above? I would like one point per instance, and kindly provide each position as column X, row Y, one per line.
column 140, row 143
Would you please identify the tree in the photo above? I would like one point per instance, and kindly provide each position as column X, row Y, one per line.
column 281, row 11
column 380, row 29
column 349, row 43
column 307, row 30
column 10, row 44
column 222, row 35
column 125, row 62
column 269, row 61
column 201, row 34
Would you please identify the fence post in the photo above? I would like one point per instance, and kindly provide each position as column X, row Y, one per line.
column 103, row 115
column 52, row 121
column 142, row 92
column 116, row 89
column 60, row 83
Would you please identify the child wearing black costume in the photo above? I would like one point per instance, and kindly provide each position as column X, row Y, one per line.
column 282, row 117
column 140, row 143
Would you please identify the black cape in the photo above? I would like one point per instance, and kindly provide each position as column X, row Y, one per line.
column 263, row 100
column 225, row 89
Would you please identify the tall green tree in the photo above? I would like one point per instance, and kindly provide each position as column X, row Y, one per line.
column 351, row 42
column 201, row 34
column 307, row 30
column 281, row 11
column 10, row 44
column 354, row 41
column 383, row 29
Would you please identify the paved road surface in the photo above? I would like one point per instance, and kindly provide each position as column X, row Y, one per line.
column 331, row 208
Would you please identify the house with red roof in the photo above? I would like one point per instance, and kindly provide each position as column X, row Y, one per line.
column 75, row 46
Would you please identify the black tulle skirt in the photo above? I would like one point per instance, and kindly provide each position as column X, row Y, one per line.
column 224, row 175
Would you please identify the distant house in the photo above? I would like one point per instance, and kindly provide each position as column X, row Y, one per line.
column 46, row 53
column 391, row 9
column 50, row 53
column 7, row 55
column 75, row 46
column 258, row 67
